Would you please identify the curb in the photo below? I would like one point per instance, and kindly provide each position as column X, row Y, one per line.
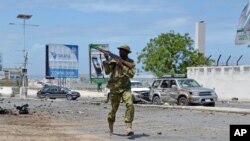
column 201, row 108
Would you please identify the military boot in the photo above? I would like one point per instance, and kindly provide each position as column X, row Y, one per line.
column 111, row 127
column 129, row 129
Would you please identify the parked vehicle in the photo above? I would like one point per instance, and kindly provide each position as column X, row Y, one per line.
column 53, row 92
column 139, row 92
column 183, row 91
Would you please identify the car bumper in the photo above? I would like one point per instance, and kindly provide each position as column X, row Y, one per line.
column 139, row 96
column 202, row 100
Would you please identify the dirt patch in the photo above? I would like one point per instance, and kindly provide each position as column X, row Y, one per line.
column 40, row 126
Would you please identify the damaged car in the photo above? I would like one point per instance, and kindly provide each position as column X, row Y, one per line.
column 181, row 91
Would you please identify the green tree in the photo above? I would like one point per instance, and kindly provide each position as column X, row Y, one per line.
column 171, row 53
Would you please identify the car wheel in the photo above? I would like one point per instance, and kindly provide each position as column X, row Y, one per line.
column 69, row 97
column 156, row 100
column 183, row 101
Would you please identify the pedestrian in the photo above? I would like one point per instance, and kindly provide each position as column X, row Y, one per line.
column 120, row 71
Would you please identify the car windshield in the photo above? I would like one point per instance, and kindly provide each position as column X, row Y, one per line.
column 188, row 83
column 136, row 85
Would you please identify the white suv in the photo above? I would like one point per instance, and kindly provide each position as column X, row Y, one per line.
column 140, row 93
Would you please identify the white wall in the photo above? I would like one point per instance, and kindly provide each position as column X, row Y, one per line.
column 228, row 81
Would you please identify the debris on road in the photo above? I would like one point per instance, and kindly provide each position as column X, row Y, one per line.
column 23, row 109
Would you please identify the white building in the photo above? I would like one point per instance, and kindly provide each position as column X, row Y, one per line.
column 10, row 73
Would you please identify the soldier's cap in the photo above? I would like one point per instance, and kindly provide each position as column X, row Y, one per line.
column 125, row 47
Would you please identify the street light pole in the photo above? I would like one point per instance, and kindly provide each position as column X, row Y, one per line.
column 24, row 78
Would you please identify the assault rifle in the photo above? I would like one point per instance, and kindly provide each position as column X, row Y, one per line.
column 115, row 57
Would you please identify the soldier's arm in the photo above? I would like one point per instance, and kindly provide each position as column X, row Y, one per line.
column 128, row 64
column 109, row 66
column 129, row 72
column 106, row 67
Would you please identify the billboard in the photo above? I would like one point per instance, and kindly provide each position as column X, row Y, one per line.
column 243, row 29
column 97, row 74
column 61, row 61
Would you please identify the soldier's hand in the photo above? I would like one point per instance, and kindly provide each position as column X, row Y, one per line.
column 119, row 63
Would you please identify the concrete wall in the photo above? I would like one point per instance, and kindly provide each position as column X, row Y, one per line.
column 228, row 81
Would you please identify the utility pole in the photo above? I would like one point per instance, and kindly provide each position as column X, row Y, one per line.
column 24, row 77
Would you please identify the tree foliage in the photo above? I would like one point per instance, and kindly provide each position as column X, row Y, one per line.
column 171, row 53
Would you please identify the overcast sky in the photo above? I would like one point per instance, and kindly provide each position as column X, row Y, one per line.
column 115, row 22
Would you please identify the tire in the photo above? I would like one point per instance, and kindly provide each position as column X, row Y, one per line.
column 156, row 100
column 69, row 97
column 183, row 101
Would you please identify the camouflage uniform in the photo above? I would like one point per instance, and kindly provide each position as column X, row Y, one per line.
column 120, row 88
